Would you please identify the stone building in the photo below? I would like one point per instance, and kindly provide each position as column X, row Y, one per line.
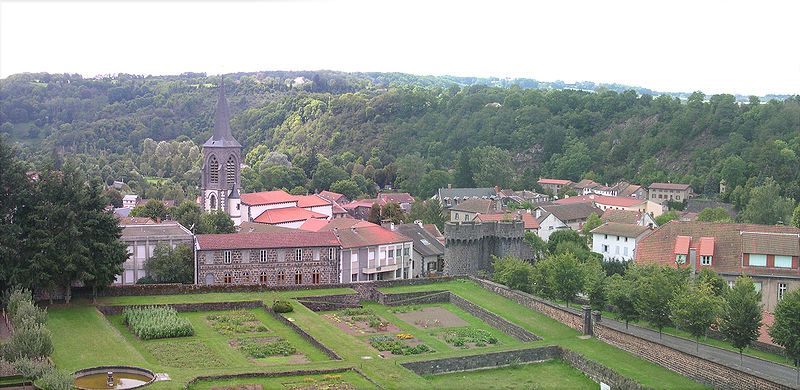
column 663, row 192
column 469, row 247
column 270, row 258
column 220, row 175
column 141, row 235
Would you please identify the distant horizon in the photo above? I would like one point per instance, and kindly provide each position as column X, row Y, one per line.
column 715, row 46
column 597, row 83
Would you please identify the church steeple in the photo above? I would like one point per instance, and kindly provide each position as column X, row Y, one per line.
column 222, row 136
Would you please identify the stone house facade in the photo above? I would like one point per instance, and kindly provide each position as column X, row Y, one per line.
column 269, row 258
column 663, row 192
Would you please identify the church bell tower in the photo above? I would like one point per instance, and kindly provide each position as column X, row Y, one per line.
column 220, row 178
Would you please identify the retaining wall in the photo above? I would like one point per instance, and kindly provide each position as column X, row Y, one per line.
column 303, row 334
column 330, row 302
column 486, row 360
column 414, row 298
column 277, row 375
column 181, row 307
column 494, row 320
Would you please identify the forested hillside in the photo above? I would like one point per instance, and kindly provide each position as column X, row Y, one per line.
column 307, row 131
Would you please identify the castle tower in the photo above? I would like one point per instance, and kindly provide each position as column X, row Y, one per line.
column 220, row 180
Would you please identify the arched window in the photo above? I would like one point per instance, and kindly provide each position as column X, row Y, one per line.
column 298, row 277
column 315, row 277
column 262, row 278
column 212, row 200
column 213, row 169
column 227, row 279
column 230, row 171
column 281, row 277
column 209, row 279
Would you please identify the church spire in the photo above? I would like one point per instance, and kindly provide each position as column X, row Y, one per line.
column 222, row 129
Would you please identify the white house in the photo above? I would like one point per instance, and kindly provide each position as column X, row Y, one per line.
column 548, row 223
column 617, row 241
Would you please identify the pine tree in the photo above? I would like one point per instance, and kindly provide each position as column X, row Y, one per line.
column 15, row 192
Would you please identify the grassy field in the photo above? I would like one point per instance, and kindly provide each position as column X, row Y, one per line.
column 83, row 338
column 323, row 381
column 553, row 374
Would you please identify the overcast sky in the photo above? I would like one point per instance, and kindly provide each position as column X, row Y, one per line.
column 746, row 47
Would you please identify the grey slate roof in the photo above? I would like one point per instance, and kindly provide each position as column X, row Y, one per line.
column 155, row 231
column 418, row 234
column 222, row 137
column 572, row 211
column 473, row 205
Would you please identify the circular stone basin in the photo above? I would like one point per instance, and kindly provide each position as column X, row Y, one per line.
column 123, row 377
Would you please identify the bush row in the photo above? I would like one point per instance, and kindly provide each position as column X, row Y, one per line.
column 156, row 322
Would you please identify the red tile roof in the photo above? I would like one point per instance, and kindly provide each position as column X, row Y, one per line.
column 361, row 203
column 730, row 243
column 555, row 181
column 312, row 201
column 369, row 236
column 266, row 240
column 287, row 214
column 670, row 186
column 313, row 225
column 267, row 197
column 616, row 201
column 706, row 246
column 682, row 245
column 397, row 197
column 338, row 209
column 331, row 196
column 346, row 223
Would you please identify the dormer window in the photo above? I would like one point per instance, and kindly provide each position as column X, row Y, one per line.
column 705, row 260
column 680, row 259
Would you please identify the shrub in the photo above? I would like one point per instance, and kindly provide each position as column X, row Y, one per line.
column 32, row 368
column 32, row 341
column 460, row 336
column 396, row 347
column 257, row 349
column 55, row 380
column 282, row 307
column 156, row 322
column 14, row 297
column 26, row 314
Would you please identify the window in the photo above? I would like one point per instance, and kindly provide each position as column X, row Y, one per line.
column 397, row 273
column 298, row 254
column 783, row 261
column 456, row 216
column 625, row 251
column 605, row 248
column 298, row 277
column 213, row 170
column 391, row 253
column 781, row 290
column 227, row 279
column 371, row 254
column 281, row 277
column 626, row 239
column 617, row 238
column 315, row 277
column 226, row 257
column 316, row 254
column 757, row 285
column 680, row 259
column 757, row 260
column 605, row 236
column 246, row 276
column 230, row 171
column 262, row 278
column 405, row 251
column 263, row 257
column 731, row 283
column 354, row 277
column 705, row 260
column 331, row 253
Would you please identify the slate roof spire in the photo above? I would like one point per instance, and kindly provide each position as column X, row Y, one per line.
column 222, row 136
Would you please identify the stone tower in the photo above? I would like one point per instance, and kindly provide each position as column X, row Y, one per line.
column 220, row 180
column 469, row 246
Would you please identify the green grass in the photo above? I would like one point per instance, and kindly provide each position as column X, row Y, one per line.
column 85, row 338
column 553, row 374
column 286, row 382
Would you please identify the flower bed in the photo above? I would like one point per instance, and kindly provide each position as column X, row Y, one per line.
column 156, row 322
column 464, row 337
column 236, row 322
column 397, row 346
column 260, row 348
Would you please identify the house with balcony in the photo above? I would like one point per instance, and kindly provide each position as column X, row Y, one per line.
column 770, row 255
column 371, row 252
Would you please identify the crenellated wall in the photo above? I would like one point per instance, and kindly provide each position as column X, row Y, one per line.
column 469, row 247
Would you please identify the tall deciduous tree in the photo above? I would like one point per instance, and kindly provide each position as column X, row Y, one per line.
column 514, row 273
column 464, row 172
column 592, row 222
column 102, row 233
column 217, row 222
column 168, row 265
column 714, row 214
column 152, row 209
column 621, row 292
column 655, row 289
column 563, row 276
column 740, row 317
column 188, row 214
column 695, row 310
column 785, row 331
column 374, row 214
column 767, row 206
column 796, row 216
column 492, row 166
column 427, row 211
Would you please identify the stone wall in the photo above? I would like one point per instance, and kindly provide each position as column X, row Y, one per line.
column 331, row 354
column 598, row 372
column 330, row 302
column 469, row 247
column 486, row 360
column 275, row 375
column 414, row 298
column 181, row 307
column 494, row 320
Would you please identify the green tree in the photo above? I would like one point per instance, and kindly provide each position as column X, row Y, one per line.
column 562, row 275
column 102, row 238
column 188, row 214
column 347, row 187
column 374, row 214
column 714, row 214
column 565, row 235
column 492, row 166
column 710, row 278
column 464, row 173
column 767, row 206
column 537, row 244
column 696, row 310
column 741, row 314
column 733, row 171
column 427, row 211
column 622, row 296
column 430, row 183
column 666, row 217
column 572, row 162
column 152, row 209
column 326, row 174
column 168, row 265
column 217, row 222
column 596, row 284
column 513, row 272
column 785, row 331
column 113, row 197
column 655, row 288
column 392, row 212
column 796, row 217
column 15, row 206
column 591, row 223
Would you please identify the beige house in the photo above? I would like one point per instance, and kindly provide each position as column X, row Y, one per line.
column 663, row 192
column 467, row 210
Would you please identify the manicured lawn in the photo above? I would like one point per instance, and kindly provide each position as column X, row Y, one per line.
column 553, row 374
column 84, row 338
column 323, row 381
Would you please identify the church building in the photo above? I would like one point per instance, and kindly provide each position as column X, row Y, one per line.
column 220, row 180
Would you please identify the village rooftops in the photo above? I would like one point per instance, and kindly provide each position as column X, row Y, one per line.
column 621, row 229
column 396, row 197
column 480, row 206
column 572, row 211
column 266, row 240
column 357, row 237
column 287, row 214
column 332, row 196
column 467, row 193
column 621, row 216
column 670, row 186
column 312, row 201
column 268, row 197
column 253, row 227
column 616, row 201
column 528, row 219
column 313, row 225
column 154, row 230
column 345, row 223
column 558, row 182
column 424, row 242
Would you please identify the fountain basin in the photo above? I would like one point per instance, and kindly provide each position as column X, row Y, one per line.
column 123, row 377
